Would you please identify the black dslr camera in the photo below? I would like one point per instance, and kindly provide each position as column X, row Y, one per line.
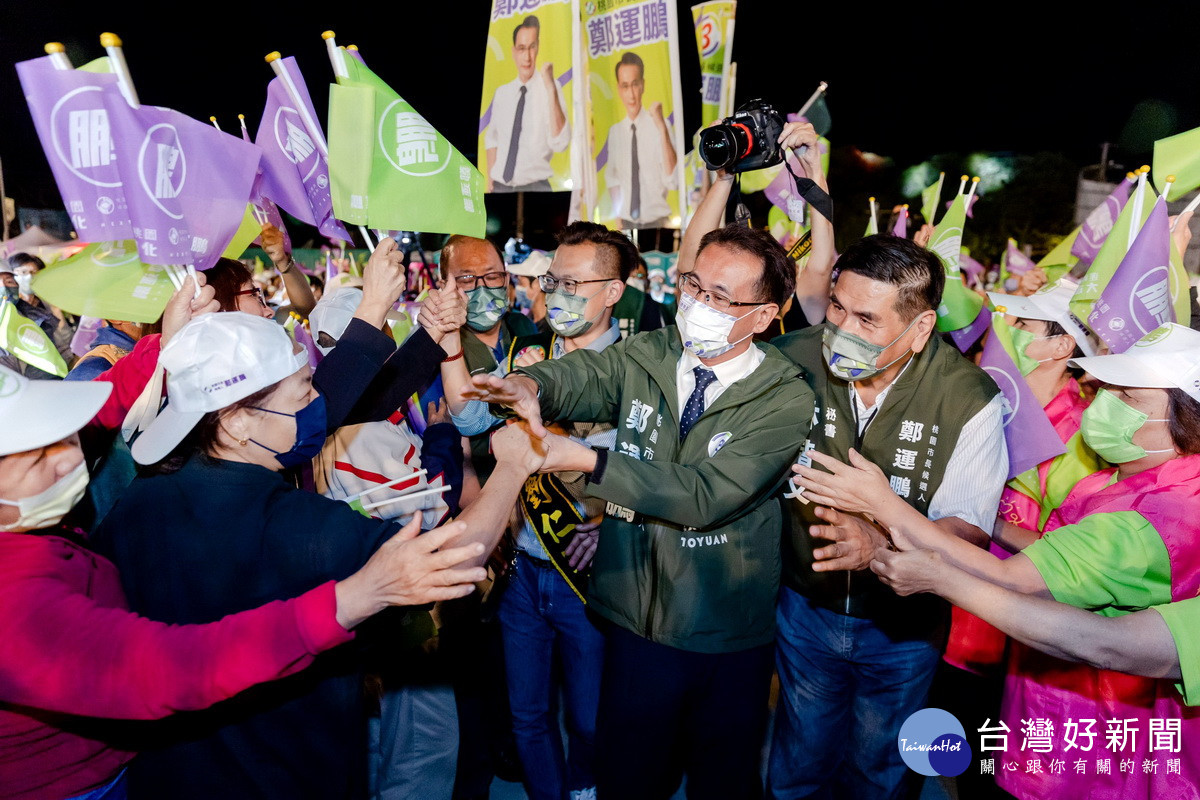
column 748, row 140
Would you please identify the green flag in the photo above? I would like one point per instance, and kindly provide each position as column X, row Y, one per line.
column 390, row 169
column 26, row 340
column 106, row 280
column 1178, row 155
column 1116, row 244
column 960, row 306
column 930, row 196
column 1058, row 261
column 246, row 233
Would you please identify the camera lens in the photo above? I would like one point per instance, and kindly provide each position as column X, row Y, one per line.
column 722, row 145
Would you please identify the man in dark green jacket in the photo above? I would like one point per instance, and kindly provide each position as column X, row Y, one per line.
column 688, row 564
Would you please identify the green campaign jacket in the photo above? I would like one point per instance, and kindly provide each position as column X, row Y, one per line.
column 689, row 551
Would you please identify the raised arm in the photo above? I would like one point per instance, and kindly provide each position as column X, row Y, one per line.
column 813, row 282
column 299, row 292
column 1139, row 643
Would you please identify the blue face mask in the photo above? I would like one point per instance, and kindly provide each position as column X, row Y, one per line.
column 310, row 434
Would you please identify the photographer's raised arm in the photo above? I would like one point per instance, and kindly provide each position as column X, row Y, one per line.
column 707, row 218
column 813, row 282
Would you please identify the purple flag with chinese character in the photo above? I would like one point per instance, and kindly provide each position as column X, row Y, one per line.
column 186, row 183
column 965, row 337
column 72, row 122
column 265, row 209
column 1095, row 228
column 1016, row 262
column 1137, row 298
column 295, row 169
column 1028, row 432
column 781, row 191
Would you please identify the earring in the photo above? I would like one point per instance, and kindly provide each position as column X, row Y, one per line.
column 242, row 442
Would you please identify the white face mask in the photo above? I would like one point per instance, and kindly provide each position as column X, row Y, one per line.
column 704, row 330
column 24, row 283
column 48, row 507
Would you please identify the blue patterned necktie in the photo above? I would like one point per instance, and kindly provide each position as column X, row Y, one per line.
column 695, row 403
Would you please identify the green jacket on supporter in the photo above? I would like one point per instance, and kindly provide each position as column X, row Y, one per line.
column 689, row 550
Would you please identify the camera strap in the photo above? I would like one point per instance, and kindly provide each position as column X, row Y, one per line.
column 741, row 214
column 814, row 195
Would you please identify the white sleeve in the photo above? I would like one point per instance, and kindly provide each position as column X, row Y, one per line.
column 491, row 137
column 976, row 472
column 558, row 143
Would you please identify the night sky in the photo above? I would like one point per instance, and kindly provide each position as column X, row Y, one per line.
column 903, row 85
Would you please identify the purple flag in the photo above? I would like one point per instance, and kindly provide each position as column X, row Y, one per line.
column 972, row 268
column 295, row 170
column 72, row 122
column 1028, row 432
column 782, row 191
column 187, row 183
column 1137, row 298
column 1095, row 228
column 901, row 227
column 965, row 337
column 265, row 210
column 1015, row 261
column 305, row 340
column 970, row 206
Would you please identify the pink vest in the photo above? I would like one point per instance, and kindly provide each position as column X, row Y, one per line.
column 1039, row 686
column 975, row 645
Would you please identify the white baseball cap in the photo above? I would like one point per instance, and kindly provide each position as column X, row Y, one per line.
column 38, row 413
column 213, row 362
column 1050, row 303
column 535, row 265
column 332, row 314
column 1165, row 358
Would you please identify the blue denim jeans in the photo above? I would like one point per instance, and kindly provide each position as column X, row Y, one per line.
column 846, row 687
column 116, row 789
column 544, row 624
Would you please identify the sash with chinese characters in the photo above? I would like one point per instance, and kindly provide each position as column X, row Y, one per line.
column 910, row 438
column 550, row 506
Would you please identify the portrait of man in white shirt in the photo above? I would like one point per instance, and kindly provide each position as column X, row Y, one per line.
column 529, row 120
column 641, row 156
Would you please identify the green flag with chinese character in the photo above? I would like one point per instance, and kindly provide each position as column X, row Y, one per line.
column 106, row 280
column 960, row 306
column 27, row 341
column 1058, row 261
column 390, row 169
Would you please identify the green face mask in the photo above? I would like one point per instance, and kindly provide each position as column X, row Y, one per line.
column 1021, row 339
column 852, row 358
column 1108, row 426
column 485, row 307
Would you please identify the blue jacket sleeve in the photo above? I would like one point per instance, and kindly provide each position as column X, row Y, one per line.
column 441, row 452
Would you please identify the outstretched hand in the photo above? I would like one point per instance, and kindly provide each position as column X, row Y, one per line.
column 188, row 303
column 854, row 541
column 856, row 487
column 514, row 391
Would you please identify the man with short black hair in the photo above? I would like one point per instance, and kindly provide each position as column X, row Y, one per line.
column 528, row 121
column 641, row 154
column 687, row 567
column 854, row 660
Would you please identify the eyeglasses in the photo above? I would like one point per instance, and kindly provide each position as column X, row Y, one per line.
column 492, row 280
column 549, row 283
column 717, row 300
column 257, row 292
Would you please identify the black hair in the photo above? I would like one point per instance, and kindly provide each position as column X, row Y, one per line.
column 778, row 279
column 227, row 277
column 21, row 259
column 529, row 22
column 916, row 273
column 459, row 240
column 616, row 254
column 1183, row 415
column 630, row 58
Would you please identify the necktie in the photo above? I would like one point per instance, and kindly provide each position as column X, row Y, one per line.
column 635, row 194
column 695, row 403
column 510, row 164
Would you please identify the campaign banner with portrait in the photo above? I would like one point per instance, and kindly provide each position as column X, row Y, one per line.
column 714, row 42
column 525, row 115
column 636, row 111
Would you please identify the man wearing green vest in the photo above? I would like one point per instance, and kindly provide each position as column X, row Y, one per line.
column 854, row 660
column 687, row 568
column 475, row 266
column 542, row 611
